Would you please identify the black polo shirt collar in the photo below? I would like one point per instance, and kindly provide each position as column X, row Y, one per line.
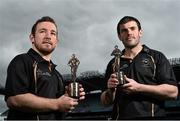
column 145, row 49
column 38, row 58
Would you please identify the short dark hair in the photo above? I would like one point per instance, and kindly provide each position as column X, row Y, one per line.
column 126, row 19
column 43, row 19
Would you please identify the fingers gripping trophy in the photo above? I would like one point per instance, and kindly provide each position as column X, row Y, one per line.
column 116, row 65
column 74, row 86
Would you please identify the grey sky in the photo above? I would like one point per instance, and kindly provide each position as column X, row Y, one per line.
column 87, row 28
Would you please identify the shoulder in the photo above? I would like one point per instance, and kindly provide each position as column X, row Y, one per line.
column 109, row 65
column 111, row 61
column 20, row 60
column 21, row 57
column 158, row 56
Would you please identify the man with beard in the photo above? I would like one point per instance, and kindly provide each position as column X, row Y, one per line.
column 34, row 88
column 148, row 75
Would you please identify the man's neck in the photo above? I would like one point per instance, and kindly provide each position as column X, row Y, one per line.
column 46, row 57
column 132, row 52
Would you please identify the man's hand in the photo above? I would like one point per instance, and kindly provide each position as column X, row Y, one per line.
column 112, row 82
column 66, row 104
column 131, row 85
column 107, row 97
column 81, row 91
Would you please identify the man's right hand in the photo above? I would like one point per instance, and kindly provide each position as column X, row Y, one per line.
column 112, row 81
column 66, row 104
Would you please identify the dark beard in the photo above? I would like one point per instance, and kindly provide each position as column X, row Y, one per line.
column 130, row 46
column 45, row 52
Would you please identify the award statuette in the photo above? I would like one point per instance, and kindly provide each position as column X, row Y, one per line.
column 74, row 86
column 116, row 65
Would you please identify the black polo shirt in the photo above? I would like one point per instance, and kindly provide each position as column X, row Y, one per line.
column 148, row 67
column 20, row 80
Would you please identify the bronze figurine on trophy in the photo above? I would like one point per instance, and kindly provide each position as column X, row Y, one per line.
column 116, row 65
column 74, row 86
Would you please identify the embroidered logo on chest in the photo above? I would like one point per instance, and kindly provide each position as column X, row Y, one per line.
column 146, row 62
column 41, row 73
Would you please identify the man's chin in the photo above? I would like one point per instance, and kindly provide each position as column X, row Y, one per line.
column 130, row 46
column 47, row 51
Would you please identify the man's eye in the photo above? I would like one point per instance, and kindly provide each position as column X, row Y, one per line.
column 133, row 28
column 53, row 33
column 42, row 31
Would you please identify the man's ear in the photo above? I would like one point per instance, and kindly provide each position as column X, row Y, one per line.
column 31, row 37
column 140, row 33
column 119, row 36
column 57, row 42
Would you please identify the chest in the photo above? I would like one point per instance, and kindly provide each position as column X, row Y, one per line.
column 142, row 68
column 47, row 83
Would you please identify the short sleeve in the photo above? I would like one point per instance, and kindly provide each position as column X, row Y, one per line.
column 17, row 81
column 165, row 73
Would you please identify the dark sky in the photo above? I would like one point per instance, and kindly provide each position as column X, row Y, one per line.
column 87, row 28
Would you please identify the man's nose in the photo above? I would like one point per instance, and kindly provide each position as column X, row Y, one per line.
column 129, row 31
column 48, row 34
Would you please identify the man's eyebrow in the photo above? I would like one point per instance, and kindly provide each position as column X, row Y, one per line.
column 53, row 30
column 133, row 27
column 46, row 29
column 42, row 29
column 129, row 28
